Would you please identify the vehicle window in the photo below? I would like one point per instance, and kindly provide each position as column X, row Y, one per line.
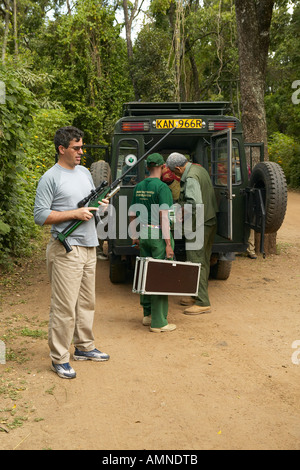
column 127, row 156
column 236, row 163
column 220, row 173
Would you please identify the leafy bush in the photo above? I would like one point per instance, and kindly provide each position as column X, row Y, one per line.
column 285, row 150
column 15, row 120
column 26, row 151
column 39, row 153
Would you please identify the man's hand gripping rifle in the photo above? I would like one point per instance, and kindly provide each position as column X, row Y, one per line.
column 103, row 191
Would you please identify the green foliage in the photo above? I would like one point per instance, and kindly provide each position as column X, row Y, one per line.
column 150, row 68
column 212, row 44
column 283, row 69
column 71, row 67
column 15, row 121
column 27, row 151
column 196, row 43
column 4, row 228
column 160, row 6
column 283, row 115
column 285, row 150
column 89, row 67
column 39, row 154
column 74, row 71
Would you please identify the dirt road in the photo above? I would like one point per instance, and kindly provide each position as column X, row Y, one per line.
column 225, row 380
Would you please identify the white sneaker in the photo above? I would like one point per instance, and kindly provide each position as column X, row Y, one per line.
column 147, row 320
column 65, row 371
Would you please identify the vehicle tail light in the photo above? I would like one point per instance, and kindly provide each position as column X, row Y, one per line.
column 134, row 126
column 221, row 125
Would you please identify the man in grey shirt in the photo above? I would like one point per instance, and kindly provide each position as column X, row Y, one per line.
column 72, row 275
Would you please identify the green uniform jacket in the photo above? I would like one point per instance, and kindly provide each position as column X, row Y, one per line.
column 196, row 188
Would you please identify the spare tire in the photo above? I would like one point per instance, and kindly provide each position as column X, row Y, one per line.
column 270, row 177
column 221, row 270
column 117, row 269
column 100, row 171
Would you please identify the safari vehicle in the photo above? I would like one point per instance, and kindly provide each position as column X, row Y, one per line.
column 206, row 136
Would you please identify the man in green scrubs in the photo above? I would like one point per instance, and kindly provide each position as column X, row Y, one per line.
column 152, row 199
column 196, row 188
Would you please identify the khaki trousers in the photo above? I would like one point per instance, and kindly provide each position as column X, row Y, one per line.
column 251, row 243
column 72, row 277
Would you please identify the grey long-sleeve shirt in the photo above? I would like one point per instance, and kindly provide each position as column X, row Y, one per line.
column 60, row 189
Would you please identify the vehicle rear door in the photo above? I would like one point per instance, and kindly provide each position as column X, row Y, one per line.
column 221, row 173
column 128, row 150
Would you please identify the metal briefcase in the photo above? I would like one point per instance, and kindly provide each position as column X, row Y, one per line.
column 165, row 277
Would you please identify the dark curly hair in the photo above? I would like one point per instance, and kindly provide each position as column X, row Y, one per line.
column 64, row 135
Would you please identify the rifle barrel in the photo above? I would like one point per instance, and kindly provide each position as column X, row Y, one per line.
column 117, row 181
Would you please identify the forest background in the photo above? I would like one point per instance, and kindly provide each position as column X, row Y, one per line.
column 65, row 62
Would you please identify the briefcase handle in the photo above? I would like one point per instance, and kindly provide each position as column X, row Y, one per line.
column 171, row 259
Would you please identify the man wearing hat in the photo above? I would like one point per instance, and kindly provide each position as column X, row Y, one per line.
column 155, row 199
column 196, row 188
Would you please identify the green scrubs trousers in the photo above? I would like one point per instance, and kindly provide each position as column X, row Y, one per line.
column 154, row 246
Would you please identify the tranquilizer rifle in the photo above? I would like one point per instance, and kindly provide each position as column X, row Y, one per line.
column 103, row 191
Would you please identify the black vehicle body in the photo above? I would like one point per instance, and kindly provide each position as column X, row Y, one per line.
column 207, row 136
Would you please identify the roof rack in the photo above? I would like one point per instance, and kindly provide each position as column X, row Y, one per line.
column 138, row 108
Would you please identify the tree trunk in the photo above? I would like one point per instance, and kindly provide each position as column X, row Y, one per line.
column 195, row 93
column 16, row 30
column 128, row 25
column 6, row 29
column 253, row 29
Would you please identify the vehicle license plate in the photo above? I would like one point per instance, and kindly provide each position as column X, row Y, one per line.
column 179, row 123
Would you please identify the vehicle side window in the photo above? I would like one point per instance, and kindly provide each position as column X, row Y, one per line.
column 221, row 168
column 236, row 163
column 127, row 156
